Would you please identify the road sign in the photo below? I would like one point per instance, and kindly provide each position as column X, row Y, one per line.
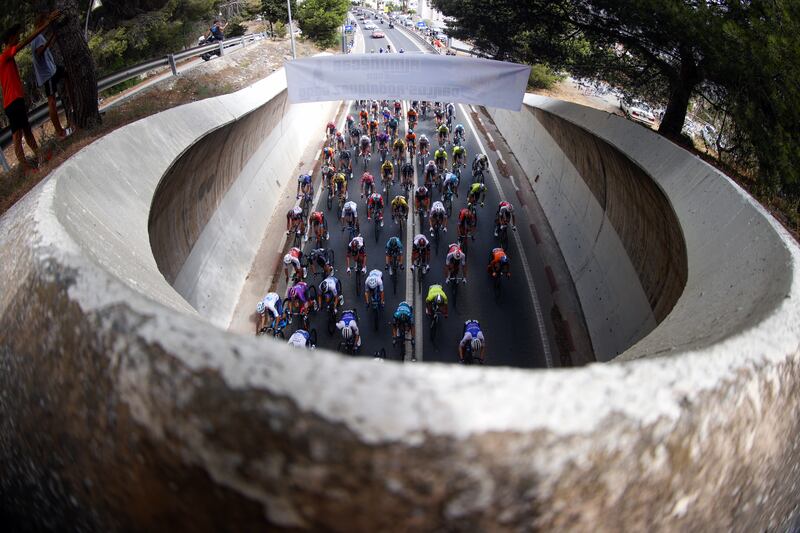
column 348, row 28
column 421, row 24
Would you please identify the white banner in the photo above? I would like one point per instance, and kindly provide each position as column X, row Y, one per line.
column 465, row 80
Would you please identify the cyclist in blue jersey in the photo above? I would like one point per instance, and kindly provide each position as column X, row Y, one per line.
column 403, row 318
column 473, row 337
column 348, row 327
column 394, row 248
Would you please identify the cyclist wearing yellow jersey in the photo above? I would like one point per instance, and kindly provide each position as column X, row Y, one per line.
column 387, row 171
column 399, row 208
column 444, row 134
column 399, row 149
column 436, row 294
column 340, row 184
column 477, row 192
column 440, row 157
column 459, row 157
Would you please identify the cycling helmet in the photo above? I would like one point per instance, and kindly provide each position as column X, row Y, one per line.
column 287, row 259
column 402, row 51
column 476, row 346
column 438, row 299
column 372, row 282
column 347, row 332
column 458, row 254
column 260, row 307
column 410, row 131
column 504, row 260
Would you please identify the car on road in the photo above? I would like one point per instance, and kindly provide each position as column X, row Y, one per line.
column 378, row 34
column 637, row 111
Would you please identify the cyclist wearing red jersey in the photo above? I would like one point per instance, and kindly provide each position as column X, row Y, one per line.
column 367, row 184
column 499, row 263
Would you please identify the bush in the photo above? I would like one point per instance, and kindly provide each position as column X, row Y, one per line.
column 235, row 29
column 320, row 20
column 543, row 77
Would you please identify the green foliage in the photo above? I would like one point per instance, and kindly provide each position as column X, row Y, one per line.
column 543, row 77
column 320, row 20
column 275, row 12
column 235, row 29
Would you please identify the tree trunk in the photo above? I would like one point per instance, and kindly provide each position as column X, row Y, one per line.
column 680, row 92
column 78, row 63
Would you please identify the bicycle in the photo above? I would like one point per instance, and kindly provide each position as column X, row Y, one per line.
column 478, row 176
column 304, row 314
column 400, row 219
column 305, row 203
column 454, row 282
column 401, row 338
column 469, row 358
column 377, row 219
column 463, row 238
column 420, row 267
column 352, row 230
column 394, row 266
column 366, row 159
column 436, row 315
column 502, row 235
column 376, row 306
column 412, row 151
column 298, row 237
column 329, row 200
column 437, row 229
column 278, row 324
column 384, row 151
column 348, row 347
column 330, row 310
column 496, row 283
column 359, row 266
column 447, row 200
column 342, row 197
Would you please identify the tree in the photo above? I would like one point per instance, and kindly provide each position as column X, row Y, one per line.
column 320, row 20
column 275, row 11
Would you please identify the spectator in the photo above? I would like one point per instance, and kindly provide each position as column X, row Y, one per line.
column 216, row 31
column 48, row 74
column 13, row 94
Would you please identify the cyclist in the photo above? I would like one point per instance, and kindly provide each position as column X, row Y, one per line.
column 473, row 337
column 438, row 114
column 365, row 143
column 375, row 207
column 268, row 309
column 459, row 156
column 373, row 283
column 328, row 171
column 351, row 122
column 387, row 171
column 394, row 248
column 455, row 259
column 438, row 216
column 319, row 224
column 477, row 193
column 411, row 142
column 374, row 108
column 398, row 108
column 348, row 326
column 367, row 184
column 294, row 220
column 358, row 252
column 340, row 185
column 399, row 149
column 399, row 208
column 422, row 199
column 339, row 141
column 430, row 173
column 466, row 223
column 364, row 117
column 451, row 111
column 424, row 146
column 386, row 113
column 298, row 298
column 320, row 257
column 403, row 318
column 436, row 294
column 383, row 143
column 355, row 135
column 450, row 183
column 458, row 134
column 421, row 247
column 499, row 263
column 505, row 214
column 392, row 126
column 300, row 339
column 373, row 128
column 349, row 215
column 444, row 134
column 412, row 116
column 327, row 155
column 330, row 130
column 407, row 173
column 332, row 287
column 480, row 164
column 293, row 258
column 304, row 185
column 345, row 162
column 440, row 158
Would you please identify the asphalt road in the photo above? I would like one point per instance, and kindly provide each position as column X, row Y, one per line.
column 512, row 337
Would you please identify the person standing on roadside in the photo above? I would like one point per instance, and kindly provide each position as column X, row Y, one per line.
column 48, row 74
column 13, row 94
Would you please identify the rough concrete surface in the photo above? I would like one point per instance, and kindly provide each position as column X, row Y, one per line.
column 122, row 409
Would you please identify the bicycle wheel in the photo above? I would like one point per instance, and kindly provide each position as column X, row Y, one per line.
column 297, row 240
column 454, row 290
column 434, row 324
column 448, row 205
column 377, row 229
column 313, row 336
column 394, row 280
column 376, row 311
column 329, row 201
column 503, row 235
column 496, row 285
column 358, row 280
column 331, row 258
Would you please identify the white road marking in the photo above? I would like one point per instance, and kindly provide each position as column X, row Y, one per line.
column 514, row 183
column 318, row 155
column 526, row 267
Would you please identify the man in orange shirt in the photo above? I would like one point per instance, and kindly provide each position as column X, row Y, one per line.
column 13, row 94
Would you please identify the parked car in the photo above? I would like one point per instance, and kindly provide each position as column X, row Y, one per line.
column 378, row 34
column 637, row 111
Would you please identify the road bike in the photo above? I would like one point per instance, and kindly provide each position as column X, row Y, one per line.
column 478, row 176
column 402, row 336
column 437, row 230
column 307, row 199
column 329, row 200
column 304, row 313
column 400, row 219
column 298, row 237
column 359, row 265
column 469, row 358
column 348, row 347
column 278, row 325
column 447, row 201
column 352, row 230
column 497, row 277
column 502, row 236
column 436, row 316
column 454, row 282
column 394, row 266
column 420, row 269
column 376, row 306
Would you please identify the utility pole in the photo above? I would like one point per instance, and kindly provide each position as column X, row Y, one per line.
column 291, row 29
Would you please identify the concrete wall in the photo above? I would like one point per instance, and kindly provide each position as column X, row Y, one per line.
column 122, row 409
column 616, row 229
column 213, row 205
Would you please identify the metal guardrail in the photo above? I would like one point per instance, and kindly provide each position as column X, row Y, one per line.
column 38, row 114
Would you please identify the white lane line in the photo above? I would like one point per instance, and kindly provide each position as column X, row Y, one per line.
column 318, row 154
column 409, row 237
column 489, row 135
column 532, row 288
